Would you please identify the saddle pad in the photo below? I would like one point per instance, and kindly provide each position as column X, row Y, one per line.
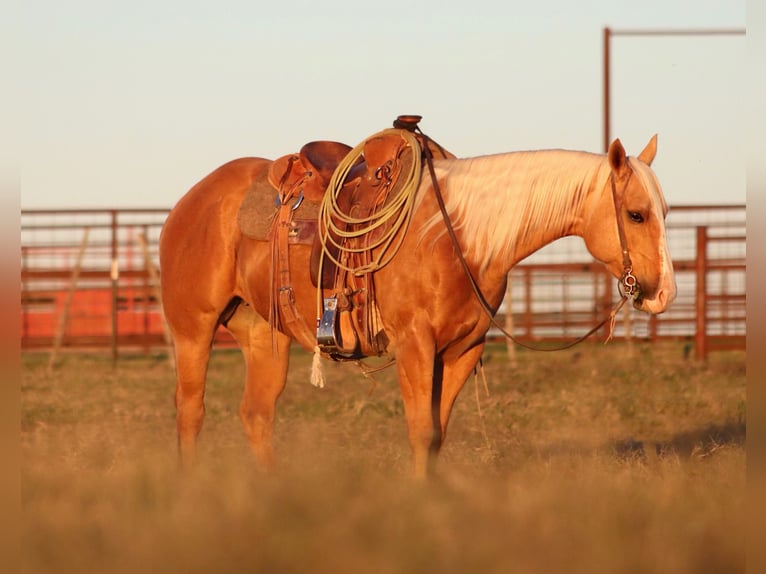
column 256, row 214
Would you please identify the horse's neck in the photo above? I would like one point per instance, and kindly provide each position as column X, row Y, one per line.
column 508, row 206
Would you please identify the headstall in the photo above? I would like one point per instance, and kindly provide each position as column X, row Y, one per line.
column 628, row 283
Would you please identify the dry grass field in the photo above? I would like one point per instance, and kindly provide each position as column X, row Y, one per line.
column 594, row 460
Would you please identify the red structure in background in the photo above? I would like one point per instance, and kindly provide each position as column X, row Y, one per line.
column 90, row 280
column 139, row 322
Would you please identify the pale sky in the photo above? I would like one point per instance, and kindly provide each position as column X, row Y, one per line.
column 129, row 104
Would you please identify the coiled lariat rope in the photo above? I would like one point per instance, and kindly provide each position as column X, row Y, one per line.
column 334, row 223
column 399, row 207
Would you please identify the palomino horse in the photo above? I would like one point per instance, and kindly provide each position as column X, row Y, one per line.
column 502, row 207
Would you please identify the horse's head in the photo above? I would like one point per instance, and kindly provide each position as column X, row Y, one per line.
column 625, row 227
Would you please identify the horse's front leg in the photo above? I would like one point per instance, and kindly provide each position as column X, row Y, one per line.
column 266, row 357
column 455, row 372
column 415, row 365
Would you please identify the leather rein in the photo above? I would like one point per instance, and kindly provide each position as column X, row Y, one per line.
column 628, row 285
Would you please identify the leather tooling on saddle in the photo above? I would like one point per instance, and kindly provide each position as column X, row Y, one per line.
column 292, row 204
column 311, row 170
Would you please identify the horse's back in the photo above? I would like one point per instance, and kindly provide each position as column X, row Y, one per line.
column 199, row 239
column 223, row 186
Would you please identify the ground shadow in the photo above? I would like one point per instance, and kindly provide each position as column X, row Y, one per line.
column 699, row 442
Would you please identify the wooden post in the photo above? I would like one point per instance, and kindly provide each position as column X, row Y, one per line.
column 154, row 280
column 700, row 337
column 628, row 310
column 64, row 317
column 653, row 328
column 114, row 276
column 606, row 302
column 511, row 346
column 147, row 292
column 528, row 302
column 24, row 308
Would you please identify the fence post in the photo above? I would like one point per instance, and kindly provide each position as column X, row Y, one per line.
column 24, row 290
column 510, row 345
column 154, row 280
column 628, row 322
column 64, row 318
column 528, row 302
column 606, row 303
column 700, row 301
column 653, row 328
column 114, row 276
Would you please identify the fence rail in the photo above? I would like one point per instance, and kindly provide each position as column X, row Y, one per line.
column 89, row 280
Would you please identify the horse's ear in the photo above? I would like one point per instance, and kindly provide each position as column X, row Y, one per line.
column 617, row 159
column 647, row 156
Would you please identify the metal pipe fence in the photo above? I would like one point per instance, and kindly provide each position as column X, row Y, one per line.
column 89, row 281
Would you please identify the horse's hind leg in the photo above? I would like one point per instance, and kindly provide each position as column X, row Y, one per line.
column 266, row 354
column 192, row 355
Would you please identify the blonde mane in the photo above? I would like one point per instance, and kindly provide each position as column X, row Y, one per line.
column 503, row 201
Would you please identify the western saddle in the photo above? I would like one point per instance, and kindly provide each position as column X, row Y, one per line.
column 342, row 263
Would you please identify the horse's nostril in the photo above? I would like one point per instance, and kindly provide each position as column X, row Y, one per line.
column 665, row 297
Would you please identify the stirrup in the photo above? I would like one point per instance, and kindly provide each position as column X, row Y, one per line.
column 326, row 337
column 330, row 336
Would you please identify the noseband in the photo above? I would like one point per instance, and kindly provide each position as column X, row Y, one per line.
column 628, row 284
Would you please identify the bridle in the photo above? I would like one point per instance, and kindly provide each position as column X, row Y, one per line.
column 627, row 285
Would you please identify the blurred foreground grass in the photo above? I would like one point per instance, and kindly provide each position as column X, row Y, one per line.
column 598, row 459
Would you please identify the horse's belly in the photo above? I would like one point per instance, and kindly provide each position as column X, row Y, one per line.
column 257, row 280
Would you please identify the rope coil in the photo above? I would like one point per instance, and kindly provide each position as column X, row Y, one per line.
column 333, row 222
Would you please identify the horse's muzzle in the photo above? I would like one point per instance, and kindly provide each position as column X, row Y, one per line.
column 656, row 305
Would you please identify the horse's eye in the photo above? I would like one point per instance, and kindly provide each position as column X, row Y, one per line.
column 636, row 217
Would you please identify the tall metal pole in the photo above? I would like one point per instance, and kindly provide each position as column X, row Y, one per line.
column 608, row 33
column 607, row 88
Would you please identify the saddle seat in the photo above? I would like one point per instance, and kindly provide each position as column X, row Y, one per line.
column 310, row 170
